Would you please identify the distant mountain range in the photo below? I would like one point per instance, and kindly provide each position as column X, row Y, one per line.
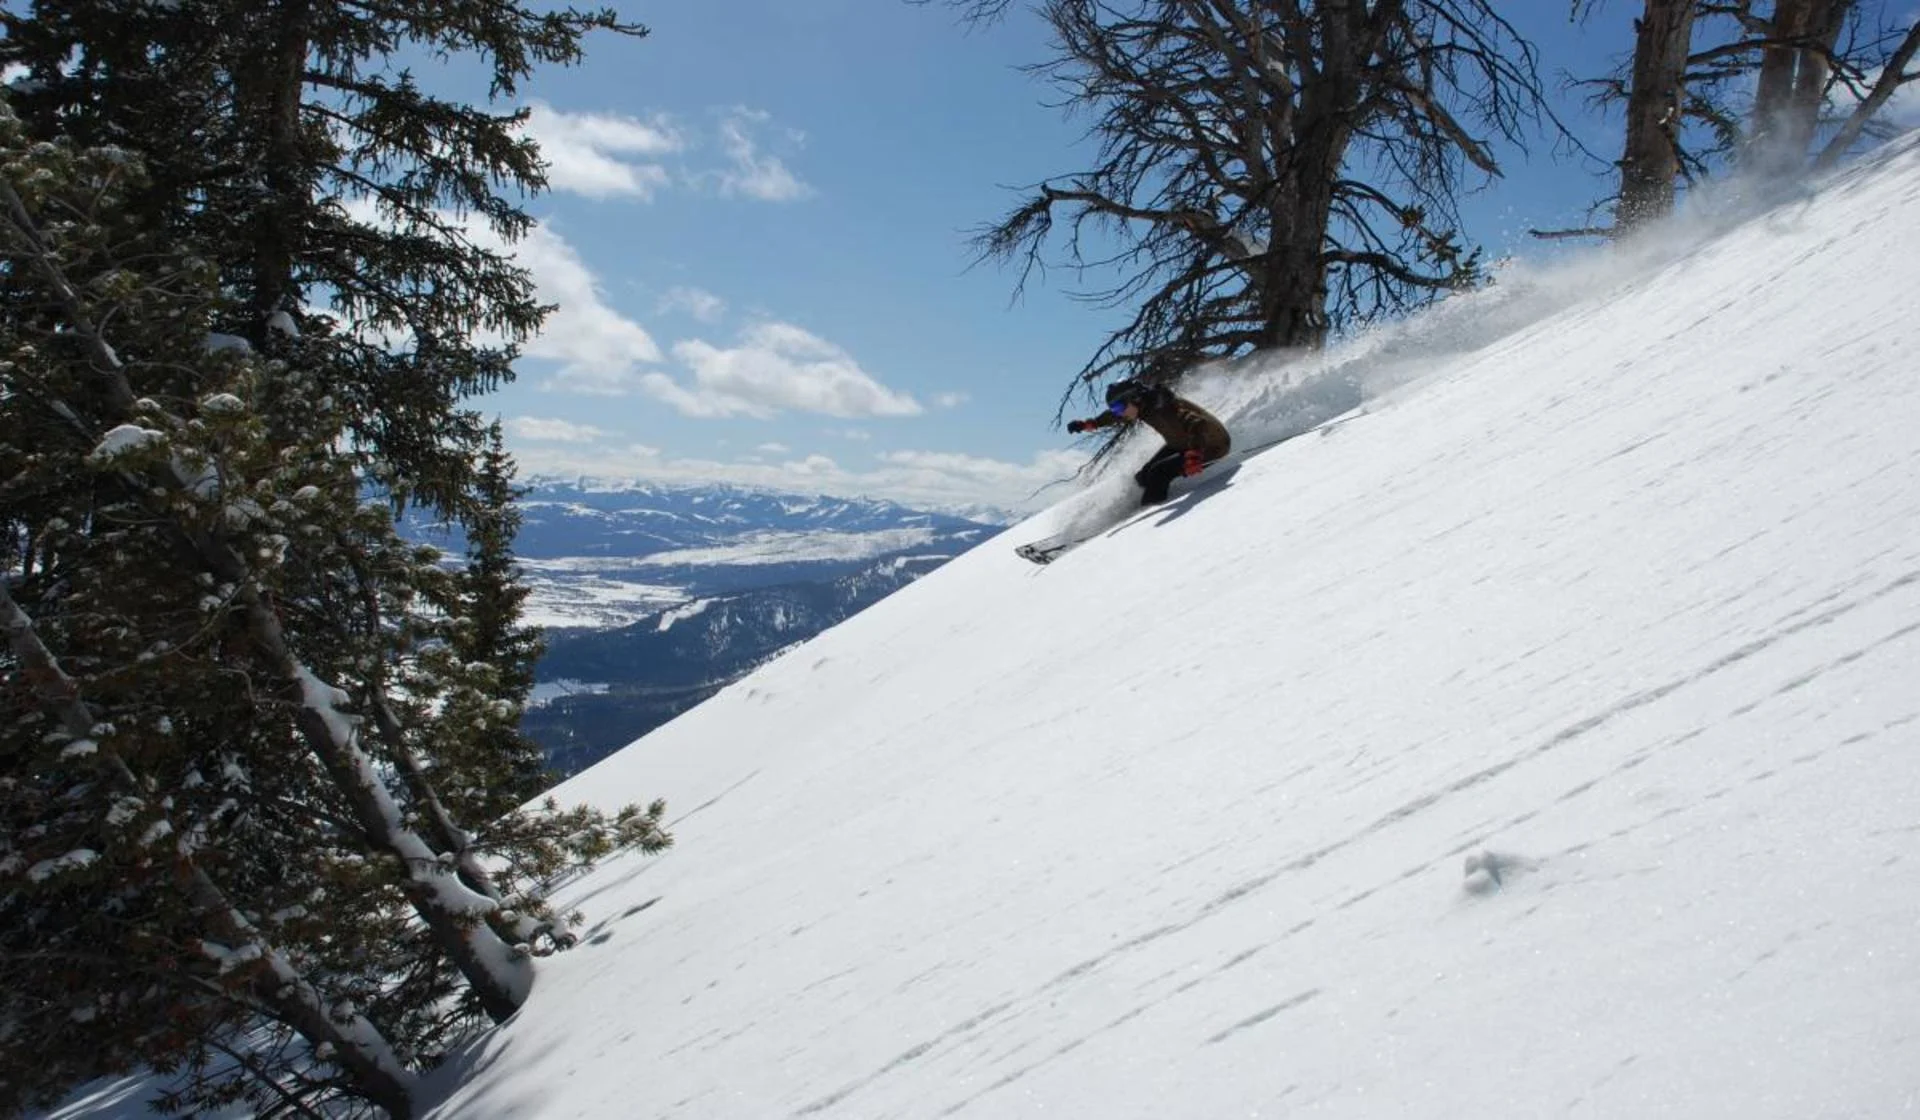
column 637, row 677
column 655, row 597
column 581, row 517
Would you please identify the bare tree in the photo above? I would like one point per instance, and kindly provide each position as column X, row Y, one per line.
column 1800, row 57
column 1268, row 170
column 1651, row 162
column 1689, row 110
column 1893, row 74
column 1796, row 50
column 1664, row 87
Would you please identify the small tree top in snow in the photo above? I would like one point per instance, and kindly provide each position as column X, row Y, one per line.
column 123, row 439
column 222, row 404
column 48, row 868
column 219, row 343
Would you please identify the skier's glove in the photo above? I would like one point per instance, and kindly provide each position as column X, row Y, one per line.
column 1075, row 427
column 1191, row 464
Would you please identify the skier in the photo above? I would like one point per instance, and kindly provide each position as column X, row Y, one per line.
column 1194, row 436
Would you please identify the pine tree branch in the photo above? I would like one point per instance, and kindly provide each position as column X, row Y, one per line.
column 445, row 906
column 278, row 986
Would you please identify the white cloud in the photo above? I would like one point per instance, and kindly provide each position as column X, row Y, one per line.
column 951, row 400
column 700, row 304
column 751, row 172
column 593, row 154
column 773, row 448
column 597, row 347
column 774, row 368
column 1018, row 485
column 554, row 431
column 591, row 381
column 610, row 155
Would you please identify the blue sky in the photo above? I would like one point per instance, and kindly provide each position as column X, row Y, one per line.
column 757, row 233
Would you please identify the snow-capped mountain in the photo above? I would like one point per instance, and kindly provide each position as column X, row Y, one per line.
column 655, row 596
column 587, row 517
column 610, row 685
column 600, row 554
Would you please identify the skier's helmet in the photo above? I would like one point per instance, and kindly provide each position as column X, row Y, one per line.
column 1126, row 392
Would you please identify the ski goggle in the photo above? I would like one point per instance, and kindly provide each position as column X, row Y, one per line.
column 1119, row 408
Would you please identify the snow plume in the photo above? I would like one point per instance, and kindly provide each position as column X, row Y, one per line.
column 1276, row 396
column 1271, row 397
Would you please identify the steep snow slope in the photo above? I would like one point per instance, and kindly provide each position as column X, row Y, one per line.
column 1624, row 603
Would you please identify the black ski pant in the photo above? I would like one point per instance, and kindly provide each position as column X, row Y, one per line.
column 1154, row 478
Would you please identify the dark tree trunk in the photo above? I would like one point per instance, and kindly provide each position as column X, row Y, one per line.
column 1650, row 164
column 274, row 90
column 1813, row 70
column 1794, row 69
column 1293, row 287
column 1272, row 171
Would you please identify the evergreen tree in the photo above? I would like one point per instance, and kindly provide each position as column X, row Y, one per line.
column 486, row 632
column 191, row 449
column 139, row 812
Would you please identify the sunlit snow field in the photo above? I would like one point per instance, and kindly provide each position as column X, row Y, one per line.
column 1540, row 737
column 1623, row 602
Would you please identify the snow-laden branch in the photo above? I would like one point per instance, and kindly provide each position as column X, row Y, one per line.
column 500, row 977
column 232, row 941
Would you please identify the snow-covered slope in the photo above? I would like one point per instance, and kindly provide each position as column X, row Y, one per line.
column 1622, row 606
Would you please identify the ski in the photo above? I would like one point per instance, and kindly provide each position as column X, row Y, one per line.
column 1041, row 553
column 1048, row 549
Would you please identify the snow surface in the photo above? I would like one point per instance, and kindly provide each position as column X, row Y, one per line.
column 598, row 591
column 589, row 592
column 546, row 692
column 681, row 614
column 1543, row 740
column 1540, row 739
column 779, row 547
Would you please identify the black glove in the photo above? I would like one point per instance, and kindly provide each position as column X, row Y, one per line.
column 1075, row 427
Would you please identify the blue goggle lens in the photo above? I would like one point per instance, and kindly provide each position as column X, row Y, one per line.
column 1118, row 408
